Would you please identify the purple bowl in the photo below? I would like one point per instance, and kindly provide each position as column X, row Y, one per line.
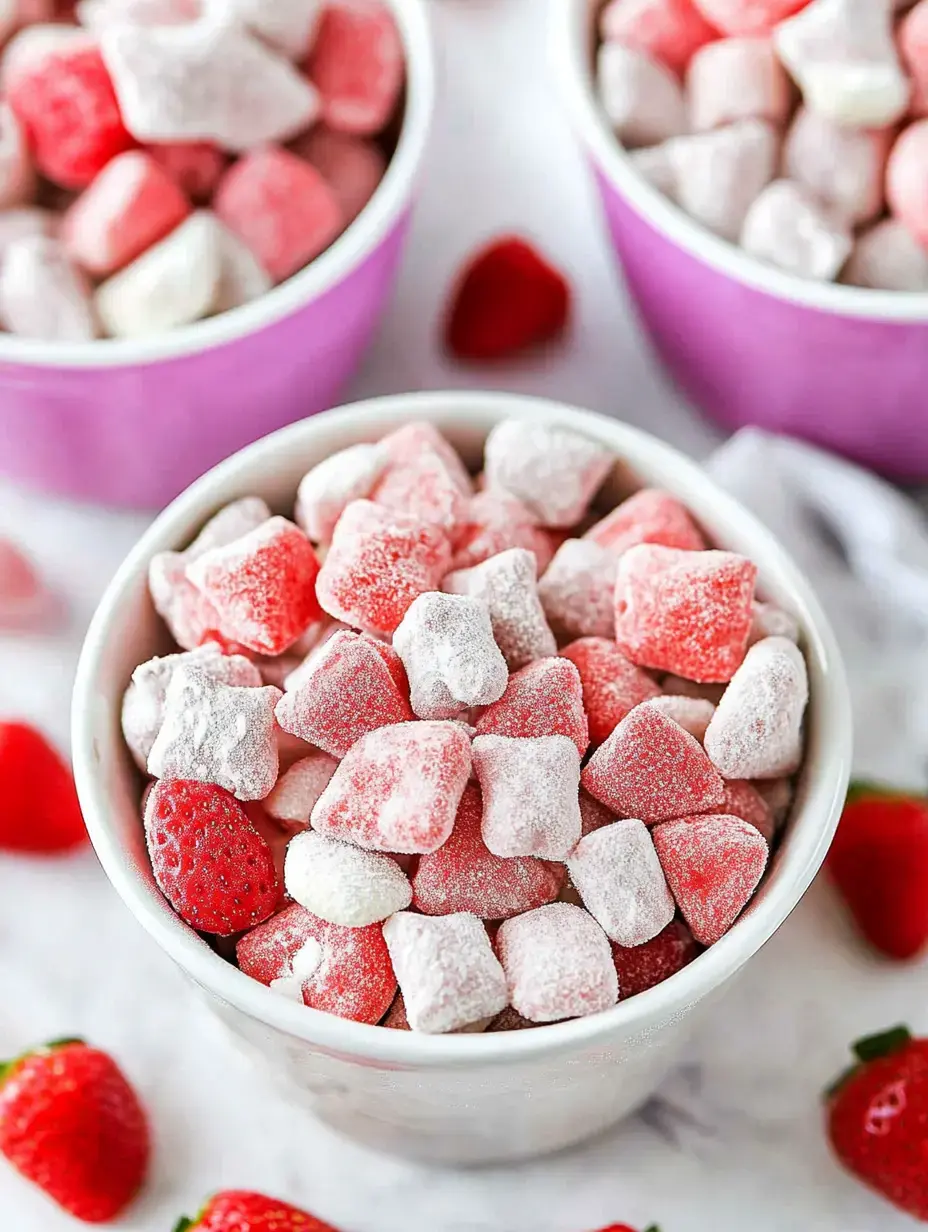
column 844, row 367
column 128, row 422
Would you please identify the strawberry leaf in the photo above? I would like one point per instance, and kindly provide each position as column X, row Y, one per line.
column 861, row 789
column 7, row 1067
column 183, row 1224
column 872, row 1047
column 653, row 1228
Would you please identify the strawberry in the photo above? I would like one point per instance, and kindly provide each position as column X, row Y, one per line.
column 878, row 1118
column 71, row 1124
column 624, row 1227
column 238, row 1211
column 879, row 862
column 508, row 297
column 209, row 861
column 39, row 812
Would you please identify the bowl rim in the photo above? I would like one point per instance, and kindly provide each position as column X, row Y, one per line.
column 355, row 245
column 815, row 823
column 569, row 55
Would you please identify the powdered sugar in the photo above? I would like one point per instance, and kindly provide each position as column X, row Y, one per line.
column 506, row 583
column 543, row 699
column 692, row 713
column 619, row 877
column 331, row 485
column 493, row 522
column 768, row 620
column 341, row 883
column 577, row 590
column 530, row 795
column 612, row 686
column 298, row 788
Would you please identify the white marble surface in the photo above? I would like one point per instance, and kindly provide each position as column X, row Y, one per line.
column 735, row 1140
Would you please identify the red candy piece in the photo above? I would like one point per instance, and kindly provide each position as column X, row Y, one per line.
column 494, row 522
column 669, row 31
column 644, row 966
column 712, row 865
column 39, row 811
column 684, row 612
column 346, row 690
column 463, row 875
column 612, row 686
column 650, row 516
column 354, row 976
column 508, row 297
column 356, row 64
column 196, row 166
column 742, row 799
column 543, row 699
column 593, row 815
column 421, row 487
column 650, row 768
column 351, row 166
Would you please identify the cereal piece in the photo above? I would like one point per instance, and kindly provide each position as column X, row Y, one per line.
column 422, row 487
column 692, row 713
column 555, row 471
column 447, row 647
column 299, row 787
column 378, row 563
column 351, row 166
column 684, row 612
column 543, row 699
column 593, row 815
column 196, row 167
column 712, row 865
column 650, row 516
column 618, row 876
column 279, row 206
column 888, row 257
column 756, row 732
column 447, row 971
column 464, row 875
column 42, row 295
column 669, row 31
column 912, row 39
column 736, row 79
column 288, row 25
column 406, row 443
column 242, row 278
column 843, row 168
column 788, row 228
column 341, row 883
column 398, row 788
column 645, row 966
column 17, row 174
column 612, row 686
column 217, row 733
column 18, row 224
column 742, row 799
column 641, row 97
column 906, row 179
column 506, row 584
column 768, row 620
column 345, row 691
column 332, row 484
column 558, row 964
column 356, row 64
column 747, row 17
column 344, row 971
column 530, row 795
column 494, row 522
column 652, row 769
column 577, row 589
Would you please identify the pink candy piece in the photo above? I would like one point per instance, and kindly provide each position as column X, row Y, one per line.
column 18, row 224
column 912, row 38
column 196, row 167
column 23, row 595
column 747, row 17
column 494, row 522
column 736, row 79
column 287, row 25
column 641, row 97
column 742, row 799
column 650, row 516
column 543, row 699
column 345, row 691
column 344, row 971
column 298, row 788
column 692, row 713
column 619, row 877
column 593, row 815
column 768, row 620
column 558, row 964
column 351, row 166
column 843, row 167
column 421, row 486
column 644, row 966
column 669, row 31
column 336, row 481
column 612, row 686
column 684, row 612
column 341, row 883
column 447, row 971
column 787, row 227
column 406, row 444
column 712, row 865
column 464, row 875
column 43, row 295
column 652, row 769
column 907, row 180
column 530, row 795
column 356, row 64
column 577, row 590
column 398, row 789
column 17, row 174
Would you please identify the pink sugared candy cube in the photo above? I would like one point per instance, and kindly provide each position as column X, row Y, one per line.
column 43, row 294
column 530, row 794
column 694, row 714
column 332, row 484
column 747, row 17
column 642, row 967
column 356, row 64
column 351, row 166
column 494, row 522
column 543, row 699
column 737, row 79
column 742, row 799
column 299, row 787
column 618, row 875
column 196, row 167
column 669, row 31
column 421, row 486
column 405, row 444
column 650, row 516
column 577, row 590
column 906, row 178
column 612, row 685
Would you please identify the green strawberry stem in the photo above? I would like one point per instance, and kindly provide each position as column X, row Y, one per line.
column 872, row 1047
column 862, row 789
column 653, row 1228
column 183, row 1224
column 7, row 1067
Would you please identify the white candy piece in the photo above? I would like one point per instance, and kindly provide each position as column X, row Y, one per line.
column 43, row 295
column 96, row 15
column 446, row 970
column 656, row 165
column 787, row 227
column 242, row 278
column 17, row 174
column 25, row 223
column 843, row 168
column 447, row 647
column 530, row 795
column 619, row 877
column 288, row 25
column 842, row 56
column 216, row 733
column 577, row 590
column 888, row 258
column 554, row 471
column 694, row 714
column 558, row 963
column 506, row 583
column 298, row 788
column 771, row 621
column 233, row 521
column 756, row 732
column 736, row 79
column 642, row 99
column 348, row 475
column 717, row 175
column 343, row 884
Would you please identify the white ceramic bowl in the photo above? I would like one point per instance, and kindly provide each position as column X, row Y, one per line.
column 455, row 1098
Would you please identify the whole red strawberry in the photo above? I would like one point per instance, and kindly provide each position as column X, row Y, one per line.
column 39, row 812
column 878, row 1118
column 71, row 1124
column 879, row 862
column 238, row 1211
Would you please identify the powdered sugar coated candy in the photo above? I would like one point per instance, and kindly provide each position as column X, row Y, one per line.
column 652, row 769
column 641, row 97
column 18, row 224
column 669, row 31
column 543, row 699
column 43, row 295
column 506, row 584
column 747, row 17
column 689, row 688
column 352, row 977
column 530, row 795
column 378, row 563
column 843, row 168
column 593, row 815
column 756, row 732
column 742, row 799
column 492, row 523
column 713, row 865
column 351, row 166
column 332, row 484
column 464, row 875
column 341, row 883
column 650, row 516
column 97, row 14
column 577, row 588
column 777, row 794
column 736, row 79
column 288, row 25
column 346, row 690
column 242, row 277
column 645, row 966
column 888, row 257
column 17, row 174
column 217, row 733
column 447, row 971
column 692, row 713
column 558, row 964
column 787, row 227
column 230, row 523
column 447, row 647
column 912, row 39
column 618, row 875
column 612, row 685
column 421, row 486
column 356, row 64
column 196, row 167
column 398, row 789
column 299, row 787
column 768, row 620
column 684, row 612
column 407, row 443
column 555, row 471
column 906, row 178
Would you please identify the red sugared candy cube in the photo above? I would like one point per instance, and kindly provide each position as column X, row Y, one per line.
column 493, row 522
column 351, row 166
column 650, row 516
column 742, row 799
column 423, row 487
column 356, row 64
column 669, row 31
column 641, row 967
column 196, row 167
column 543, row 699
column 612, row 686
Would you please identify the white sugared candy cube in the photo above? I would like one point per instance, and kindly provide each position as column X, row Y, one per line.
column 530, row 792
column 888, row 258
column 348, row 475
column 242, row 278
column 736, row 79
column 618, row 875
column 656, row 165
column 694, row 714
column 771, row 621
column 43, row 295
column 342, row 883
column 642, row 99
column 577, row 590
column 288, row 25
column 787, row 227
column 17, row 174
column 843, row 168
column 299, row 787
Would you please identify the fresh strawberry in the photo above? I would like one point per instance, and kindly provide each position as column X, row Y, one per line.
column 879, row 862
column 239, row 1211
column 624, row 1227
column 878, row 1118
column 508, row 297
column 71, row 1124
column 209, row 861
column 39, row 812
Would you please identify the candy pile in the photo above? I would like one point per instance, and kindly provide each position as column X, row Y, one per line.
column 166, row 160
column 487, row 747
column 795, row 128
